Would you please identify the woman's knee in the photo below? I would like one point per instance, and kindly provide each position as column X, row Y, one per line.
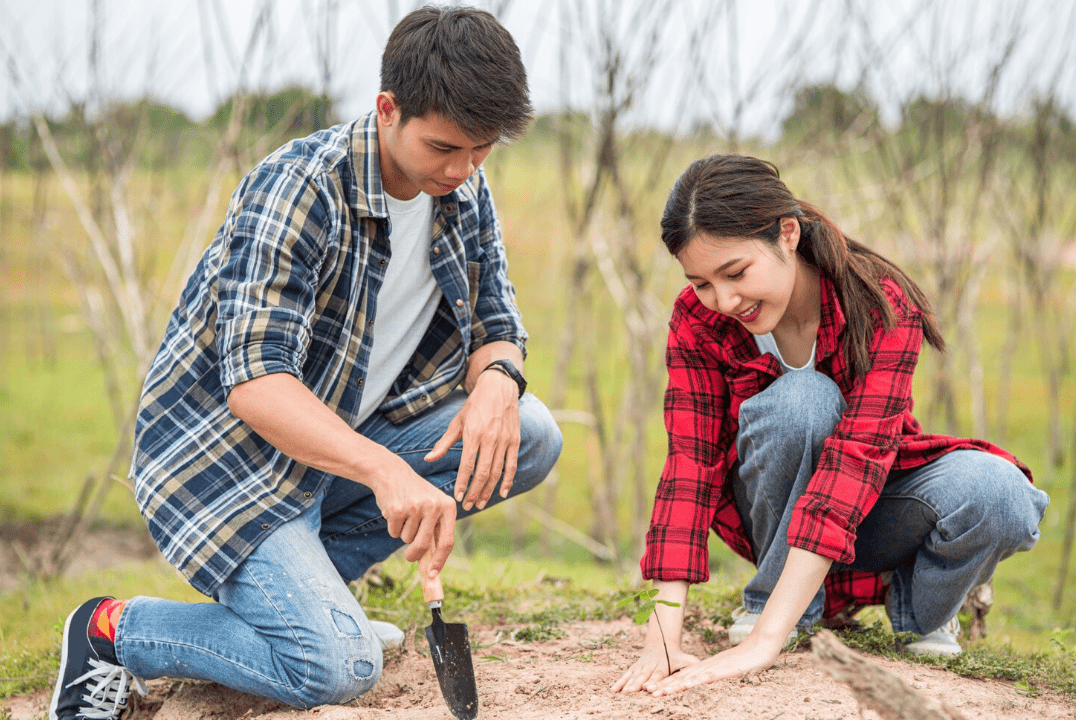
column 797, row 405
column 1002, row 501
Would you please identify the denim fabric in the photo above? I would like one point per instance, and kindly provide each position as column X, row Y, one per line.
column 287, row 627
column 782, row 430
column 941, row 528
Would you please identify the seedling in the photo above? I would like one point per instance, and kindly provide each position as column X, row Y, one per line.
column 646, row 609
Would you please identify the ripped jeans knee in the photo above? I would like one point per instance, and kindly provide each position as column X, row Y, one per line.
column 343, row 665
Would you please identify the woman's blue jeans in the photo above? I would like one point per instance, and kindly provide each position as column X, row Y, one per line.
column 941, row 528
column 287, row 627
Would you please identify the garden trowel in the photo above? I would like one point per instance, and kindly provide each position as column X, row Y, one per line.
column 451, row 650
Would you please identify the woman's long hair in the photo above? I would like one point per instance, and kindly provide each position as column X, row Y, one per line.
column 735, row 196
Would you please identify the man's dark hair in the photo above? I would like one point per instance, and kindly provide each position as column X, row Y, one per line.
column 461, row 64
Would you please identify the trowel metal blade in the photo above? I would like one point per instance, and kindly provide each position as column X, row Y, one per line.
column 450, row 647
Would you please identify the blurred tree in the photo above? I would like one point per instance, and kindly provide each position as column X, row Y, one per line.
column 291, row 112
column 826, row 110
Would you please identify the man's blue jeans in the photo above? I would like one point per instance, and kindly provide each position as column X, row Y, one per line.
column 941, row 528
column 287, row 627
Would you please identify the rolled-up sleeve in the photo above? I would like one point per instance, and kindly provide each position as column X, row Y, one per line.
column 268, row 275
column 496, row 316
column 688, row 492
column 857, row 457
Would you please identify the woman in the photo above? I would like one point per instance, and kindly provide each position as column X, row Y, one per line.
column 791, row 435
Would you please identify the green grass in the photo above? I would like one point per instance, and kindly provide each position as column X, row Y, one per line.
column 531, row 598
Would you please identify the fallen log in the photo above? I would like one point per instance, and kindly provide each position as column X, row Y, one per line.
column 874, row 687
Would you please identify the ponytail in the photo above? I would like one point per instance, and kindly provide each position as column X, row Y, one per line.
column 856, row 270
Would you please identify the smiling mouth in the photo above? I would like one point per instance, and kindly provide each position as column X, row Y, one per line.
column 750, row 314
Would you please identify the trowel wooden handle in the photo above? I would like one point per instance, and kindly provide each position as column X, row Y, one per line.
column 431, row 589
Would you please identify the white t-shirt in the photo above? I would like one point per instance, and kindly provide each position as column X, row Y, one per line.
column 406, row 301
column 766, row 344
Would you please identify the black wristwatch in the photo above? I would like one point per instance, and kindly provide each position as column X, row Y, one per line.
column 511, row 371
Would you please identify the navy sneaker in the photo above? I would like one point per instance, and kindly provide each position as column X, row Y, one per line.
column 90, row 684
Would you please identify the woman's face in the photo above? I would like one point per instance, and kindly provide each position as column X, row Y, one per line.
column 744, row 278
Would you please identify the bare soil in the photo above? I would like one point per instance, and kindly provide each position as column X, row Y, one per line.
column 569, row 677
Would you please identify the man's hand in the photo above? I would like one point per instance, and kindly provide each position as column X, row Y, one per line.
column 416, row 511
column 488, row 424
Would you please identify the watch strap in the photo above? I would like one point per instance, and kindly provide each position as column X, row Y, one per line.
column 508, row 368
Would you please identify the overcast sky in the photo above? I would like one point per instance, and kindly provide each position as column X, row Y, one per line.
column 714, row 60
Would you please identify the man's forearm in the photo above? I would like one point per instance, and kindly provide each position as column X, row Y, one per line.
column 284, row 412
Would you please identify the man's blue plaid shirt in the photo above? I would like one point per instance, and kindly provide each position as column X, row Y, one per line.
column 289, row 284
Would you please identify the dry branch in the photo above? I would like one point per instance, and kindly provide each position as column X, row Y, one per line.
column 875, row 688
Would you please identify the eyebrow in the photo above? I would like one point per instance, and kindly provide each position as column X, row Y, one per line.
column 449, row 146
column 731, row 262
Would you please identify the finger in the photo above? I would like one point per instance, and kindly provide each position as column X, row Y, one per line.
column 445, row 442
column 444, row 540
column 484, row 481
column 621, row 684
column 638, row 678
column 463, row 475
column 511, row 460
column 681, row 681
column 410, row 529
column 394, row 525
column 496, row 471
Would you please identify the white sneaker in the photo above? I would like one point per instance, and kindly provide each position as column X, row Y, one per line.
column 745, row 623
column 942, row 641
column 391, row 637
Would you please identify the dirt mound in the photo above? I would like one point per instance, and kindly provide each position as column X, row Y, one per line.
column 569, row 677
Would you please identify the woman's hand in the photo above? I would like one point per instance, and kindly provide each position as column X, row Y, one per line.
column 751, row 656
column 651, row 668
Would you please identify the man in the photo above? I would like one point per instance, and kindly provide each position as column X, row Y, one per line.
column 303, row 418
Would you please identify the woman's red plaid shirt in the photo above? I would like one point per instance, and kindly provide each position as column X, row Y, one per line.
column 714, row 365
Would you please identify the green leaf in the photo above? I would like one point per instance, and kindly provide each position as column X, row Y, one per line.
column 644, row 614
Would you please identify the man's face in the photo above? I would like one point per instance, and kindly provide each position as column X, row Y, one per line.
column 426, row 154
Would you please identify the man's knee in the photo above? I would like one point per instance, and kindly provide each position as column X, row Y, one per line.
column 341, row 669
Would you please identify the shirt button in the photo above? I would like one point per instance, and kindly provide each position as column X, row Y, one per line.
column 265, row 526
column 459, row 303
column 360, row 382
column 382, row 261
column 437, row 251
column 450, row 208
column 369, row 323
column 307, row 494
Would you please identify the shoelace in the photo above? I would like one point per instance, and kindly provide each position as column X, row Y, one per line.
column 108, row 697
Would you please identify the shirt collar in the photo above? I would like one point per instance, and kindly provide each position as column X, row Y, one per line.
column 738, row 346
column 832, row 321
column 368, row 194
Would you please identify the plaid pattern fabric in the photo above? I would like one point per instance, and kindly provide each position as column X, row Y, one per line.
column 289, row 284
column 714, row 365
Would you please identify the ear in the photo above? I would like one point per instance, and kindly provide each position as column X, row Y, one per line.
column 387, row 110
column 790, row 233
